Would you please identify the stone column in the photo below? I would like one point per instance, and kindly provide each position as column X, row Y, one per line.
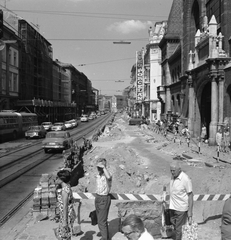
column 191, row 98
column 168, row 101
column 214, row 110
column 221, row 99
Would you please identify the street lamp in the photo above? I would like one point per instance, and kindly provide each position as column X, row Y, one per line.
column 121, row 42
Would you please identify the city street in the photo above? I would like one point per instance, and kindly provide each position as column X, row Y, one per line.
column 139, row 162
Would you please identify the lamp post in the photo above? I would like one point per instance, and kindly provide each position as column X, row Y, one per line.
column 121, row 42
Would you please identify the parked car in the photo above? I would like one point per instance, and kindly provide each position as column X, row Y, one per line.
column 47, row 125
column 91, row 117
column 59, row 126
column 35, row 132
column 68, row 124
column 57, row 140
column 74, row 123
column 84, row 118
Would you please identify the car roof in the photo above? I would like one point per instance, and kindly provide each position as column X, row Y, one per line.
column 58, row 132
column 46, row 122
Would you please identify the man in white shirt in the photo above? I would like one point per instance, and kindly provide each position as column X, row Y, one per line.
column 103, row 199
column 133, row 229
column 181, row 199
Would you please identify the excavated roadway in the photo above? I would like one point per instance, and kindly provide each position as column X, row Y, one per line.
column 155, row 153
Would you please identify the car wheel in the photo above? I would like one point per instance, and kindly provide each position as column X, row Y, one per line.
column 45, row 150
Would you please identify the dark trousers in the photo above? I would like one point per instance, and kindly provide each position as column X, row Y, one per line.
column 102, row 205
column 178, row 219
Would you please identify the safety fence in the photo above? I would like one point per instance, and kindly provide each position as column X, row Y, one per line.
column 151, row 197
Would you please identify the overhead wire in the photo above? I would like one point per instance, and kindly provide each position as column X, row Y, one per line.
column 116, row 60
column 91, row 15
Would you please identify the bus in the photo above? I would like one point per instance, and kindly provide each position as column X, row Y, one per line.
column 14, row 124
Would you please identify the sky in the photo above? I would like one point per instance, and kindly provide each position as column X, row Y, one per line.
column 82, row 33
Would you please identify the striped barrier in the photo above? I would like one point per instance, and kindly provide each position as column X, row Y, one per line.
column 151, row 197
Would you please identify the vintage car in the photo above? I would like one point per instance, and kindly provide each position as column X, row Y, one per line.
column 84, row 118
column 58, row 126
column 74, row 123
column 35, row 132
column 91, row 117
column 57, row 140
column 68, row 124
column 47, row 125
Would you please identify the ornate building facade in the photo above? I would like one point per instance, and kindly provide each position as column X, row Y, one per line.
column 196, row 65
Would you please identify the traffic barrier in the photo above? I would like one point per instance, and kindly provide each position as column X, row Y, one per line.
column 151, row 197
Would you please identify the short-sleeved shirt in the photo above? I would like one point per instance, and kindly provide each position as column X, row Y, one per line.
column 103, row 185
column 146, row 236
column 179, row 190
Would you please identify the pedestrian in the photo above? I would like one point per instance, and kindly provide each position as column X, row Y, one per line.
column 133, row 228
column 65, row 205
column 203, row 133
column 219, row 139
column 185, row 132
column 181, row 199
column 103, row 199
column 180, row 128
column 226, row 220
column 226, row 140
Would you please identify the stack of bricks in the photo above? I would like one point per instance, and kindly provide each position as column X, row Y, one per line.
column 52, row 201
column 44, row 200
column 44, row 183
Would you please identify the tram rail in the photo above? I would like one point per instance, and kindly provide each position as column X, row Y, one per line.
column 91, row 129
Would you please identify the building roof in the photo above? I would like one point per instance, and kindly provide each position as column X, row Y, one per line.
column 175, row 22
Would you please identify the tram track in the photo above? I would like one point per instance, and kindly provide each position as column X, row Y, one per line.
column 12, row 161
column 30, row 166
column 25, row 160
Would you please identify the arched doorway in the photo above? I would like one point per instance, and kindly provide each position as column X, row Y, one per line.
column 205, row 109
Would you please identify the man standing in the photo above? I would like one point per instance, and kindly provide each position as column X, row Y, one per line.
column 181, row 199
column 103, row 199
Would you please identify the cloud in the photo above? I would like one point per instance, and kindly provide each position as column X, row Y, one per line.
column 129, row 26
